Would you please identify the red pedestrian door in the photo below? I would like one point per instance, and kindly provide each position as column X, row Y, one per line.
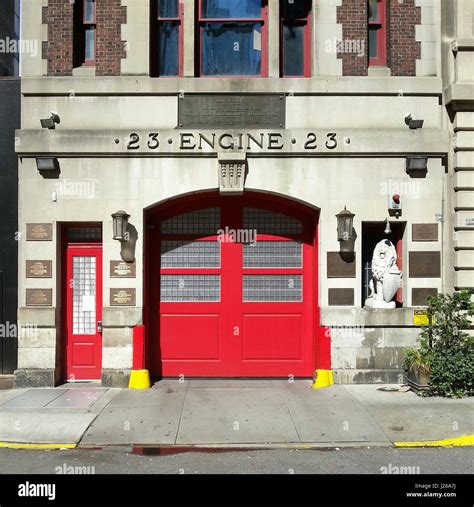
column 237, row 289
column 83, row 312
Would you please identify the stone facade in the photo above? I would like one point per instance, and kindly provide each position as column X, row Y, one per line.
column 365, row 114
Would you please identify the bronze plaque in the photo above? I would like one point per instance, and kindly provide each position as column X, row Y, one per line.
column 39, row 297
column 341, row 266
column 341, row 297
column 123, row 297
column 38, row 269
column 39, row 232
column 424, row 264
column 424, row 232
column 122, row 269
column 418, row 296
column 232, row 111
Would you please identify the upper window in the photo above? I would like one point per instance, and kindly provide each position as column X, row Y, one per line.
column 377, row 32
column 167, row 38
column 295, row 38
column 84, row 32
column 233, row 37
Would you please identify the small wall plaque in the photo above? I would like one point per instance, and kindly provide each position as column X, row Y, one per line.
column 39, row 297
column 123, row 297
column 341, row 297
column 424, row 264
column 419, row 295
column 424, row 232
column 341, row 266
column 38, row 269
column 122, row 269
column 39, row 232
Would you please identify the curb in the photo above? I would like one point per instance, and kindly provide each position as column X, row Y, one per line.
column 19, row 445
column 464, row 441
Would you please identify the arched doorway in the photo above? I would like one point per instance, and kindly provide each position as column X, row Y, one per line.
column 231, row 287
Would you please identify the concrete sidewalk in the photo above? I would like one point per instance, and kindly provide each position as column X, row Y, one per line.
column 230, row 413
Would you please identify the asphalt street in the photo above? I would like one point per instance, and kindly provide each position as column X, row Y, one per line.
column 123, row 460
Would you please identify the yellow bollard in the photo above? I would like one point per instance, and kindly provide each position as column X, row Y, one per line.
column 322, row 378
column 139, row 379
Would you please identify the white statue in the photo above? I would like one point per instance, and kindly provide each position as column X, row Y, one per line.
column 386, row 276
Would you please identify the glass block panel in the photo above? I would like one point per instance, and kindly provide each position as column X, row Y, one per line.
column 231, row 49
column 169, row 48
column 293, row 49
column 268, row 222
column 84, row 234
column 168, row 8
column 84, row 295
column 203, row 221
column 190, row 254
column 90, row 43
column 240, row 9
column 272, row 288
column 193, row 288
column 273, row 254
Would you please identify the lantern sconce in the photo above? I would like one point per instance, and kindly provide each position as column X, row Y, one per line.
column 120, row 225
column 345, row 231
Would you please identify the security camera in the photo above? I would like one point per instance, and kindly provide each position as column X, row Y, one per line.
column 413, row 124
column 50, row 123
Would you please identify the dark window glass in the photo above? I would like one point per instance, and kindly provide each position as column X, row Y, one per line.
column 293, row 49
column 231, row 9
column 294, row 9
column 169, row 44
column 373, row 10
column 168, row 8
column 90, row 43
column 373, row 50
column 231, row 49
column 89, row 11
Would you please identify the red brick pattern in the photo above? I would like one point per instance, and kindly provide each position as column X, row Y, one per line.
column 352, row 14
column 403, row 50
column 59, row 48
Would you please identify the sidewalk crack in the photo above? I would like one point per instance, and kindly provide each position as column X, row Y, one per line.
column 181, row 413
column 290, row 414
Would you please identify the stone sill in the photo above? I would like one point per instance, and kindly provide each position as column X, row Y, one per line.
column 362, row 317
column 144, row 85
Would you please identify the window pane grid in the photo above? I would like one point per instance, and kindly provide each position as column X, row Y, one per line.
column 185, row 254
column 84, row 293
column 272, row 288
column 205, row 221
column 193, row 288
column 268, row 222
column 273, row 254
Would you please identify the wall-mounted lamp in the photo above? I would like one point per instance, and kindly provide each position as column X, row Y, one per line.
column 50, row 123
column 413, row 124
column 48, row 167
column 417, row 166
column 388, row 229
column 120, row 224
column 345, row 220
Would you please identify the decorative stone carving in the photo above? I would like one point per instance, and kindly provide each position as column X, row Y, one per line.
column 386, row 276
column 232, row 172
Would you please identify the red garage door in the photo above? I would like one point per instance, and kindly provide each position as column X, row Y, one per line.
column 237, row 290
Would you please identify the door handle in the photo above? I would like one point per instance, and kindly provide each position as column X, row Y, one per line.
column 99, row 327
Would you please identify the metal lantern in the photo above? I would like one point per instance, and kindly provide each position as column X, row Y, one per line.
column 344, row 225
column 120, row 223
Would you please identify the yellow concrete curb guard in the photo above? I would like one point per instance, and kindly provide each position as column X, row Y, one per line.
column 322, row 378
column 139, row 379
column 463, row 441
column 18, row 445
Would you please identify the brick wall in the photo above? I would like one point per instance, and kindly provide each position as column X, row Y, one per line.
column 352, row 14
column 402, row 47
column 58, row 50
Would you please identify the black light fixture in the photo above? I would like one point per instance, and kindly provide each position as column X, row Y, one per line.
column 50, row 123
column 345, row 220
column 47, row 164
column 413, row 124
column 417, row 166
column 120, row 224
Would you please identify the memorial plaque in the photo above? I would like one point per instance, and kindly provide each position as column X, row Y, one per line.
column 38, row 269
column 122, row 269
column 424, row 264
column 123, row 297
column 39, row 232
column 424, row 232
column 231, row 111
column 341, row 297
column 39, row 297
column 419, row 295
column 339, row 266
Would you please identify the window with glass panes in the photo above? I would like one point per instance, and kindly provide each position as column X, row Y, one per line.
column 295, row 38
column 84, row 32
column 377, row 32
column 232, row 37
column 167, row 38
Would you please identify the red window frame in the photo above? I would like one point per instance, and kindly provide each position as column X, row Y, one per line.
column 155, row 37
column 263, row 20
column 381, row 27
column 85, row 25
column 307, row 23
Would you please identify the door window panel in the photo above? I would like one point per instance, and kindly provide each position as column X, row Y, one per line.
column 194, row 288
column 205, row 221
column 272, row 288
column 273, row 254
column 190, row 254
column 269, row 222
column 84, row 295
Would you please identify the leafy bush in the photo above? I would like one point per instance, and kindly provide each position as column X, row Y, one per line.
column 445, row 351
